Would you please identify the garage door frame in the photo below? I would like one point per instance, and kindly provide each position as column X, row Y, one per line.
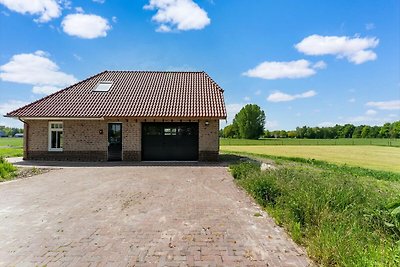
column 170, row 141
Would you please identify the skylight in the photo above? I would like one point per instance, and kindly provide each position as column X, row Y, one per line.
column 103, row 86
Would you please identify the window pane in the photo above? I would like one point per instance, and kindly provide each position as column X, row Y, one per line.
column 60, row 139
column 173, row 131
column 53, row 139
column 103, row 87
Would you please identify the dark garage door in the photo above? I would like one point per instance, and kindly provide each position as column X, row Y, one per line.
column 170, row 141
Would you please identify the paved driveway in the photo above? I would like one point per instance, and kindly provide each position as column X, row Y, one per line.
column 137, row 216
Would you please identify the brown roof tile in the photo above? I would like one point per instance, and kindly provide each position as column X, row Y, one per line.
column 134, row 94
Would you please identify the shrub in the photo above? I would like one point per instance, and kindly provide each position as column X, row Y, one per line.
column 240, row 171
column 7, row 170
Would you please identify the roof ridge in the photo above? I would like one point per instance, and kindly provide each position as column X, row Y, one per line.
column 156, row 71
column 55, row 93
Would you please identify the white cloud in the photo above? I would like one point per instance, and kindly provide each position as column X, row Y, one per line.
column 77, row 57
column 272, row 70
column 352, row 100
column 386, row 105
column 163, row 28
column 231, row 110
column 370, row 26
column 370, row 112
column 79, row 9
column 10, row 106
column 46, row 9
column 326, row 124
column 282, row 97
column 258, row 92
column 99, row 1
column 356, row 50
column 87, row 26
column 45, row 89
column 114, row 19
column 271, row 125
column 247, row 98
column 320, row 65
column 178, row 14
column 35, row 69
column 368, row 119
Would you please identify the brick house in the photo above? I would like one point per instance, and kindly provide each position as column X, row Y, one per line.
column 127, row 115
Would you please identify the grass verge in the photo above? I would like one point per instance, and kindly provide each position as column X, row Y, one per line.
column 11, row 152
column 343, row 219
column 338, row 168
column 7, row 170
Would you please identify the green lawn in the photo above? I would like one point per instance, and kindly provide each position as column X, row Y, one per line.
column 371, row 157
column 11, row 141
column 11, row 147
column 289, row 141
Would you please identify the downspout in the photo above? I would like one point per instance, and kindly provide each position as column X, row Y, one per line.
column 26, row 138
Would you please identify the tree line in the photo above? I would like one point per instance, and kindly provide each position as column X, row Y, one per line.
column 388, row 130
column 9, row 131
column 249, row 124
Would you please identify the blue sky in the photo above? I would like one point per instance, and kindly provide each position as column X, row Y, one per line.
column 312, row 63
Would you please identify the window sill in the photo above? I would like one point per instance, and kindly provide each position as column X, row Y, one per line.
column 55, row 150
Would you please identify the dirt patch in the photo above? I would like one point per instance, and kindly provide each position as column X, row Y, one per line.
column 23, row 173
column 129, row 200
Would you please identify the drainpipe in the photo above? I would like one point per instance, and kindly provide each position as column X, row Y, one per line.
column 26, row 138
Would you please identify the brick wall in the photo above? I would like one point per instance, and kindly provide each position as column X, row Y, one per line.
column 83, row 141
column 208, row 140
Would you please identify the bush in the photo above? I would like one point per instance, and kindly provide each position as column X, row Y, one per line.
column 7, row 170
column 342, row 219
column 240, row 171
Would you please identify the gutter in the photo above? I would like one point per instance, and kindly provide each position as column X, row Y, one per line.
column 26, row 138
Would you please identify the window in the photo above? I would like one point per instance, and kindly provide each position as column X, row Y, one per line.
column 56, row 139
column 169, row 131
column 103, row 86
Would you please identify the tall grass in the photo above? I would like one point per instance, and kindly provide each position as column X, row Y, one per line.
column 341, row 219
column 7, row 170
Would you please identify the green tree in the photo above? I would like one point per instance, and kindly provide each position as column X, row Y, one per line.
column 357, row 132
column 347, row 131
column 250, row 121
column 385, row 130
column 230, row 131
column 395, row 130
column 365, row 131
column 267, row 134
column 291, row 134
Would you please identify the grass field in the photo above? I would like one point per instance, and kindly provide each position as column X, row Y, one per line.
column 11, row 147
column 11, row 141
column 372, row 157
column 289, row 141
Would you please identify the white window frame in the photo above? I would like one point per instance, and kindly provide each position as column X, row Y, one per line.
column 109, row 83
column 55, row 130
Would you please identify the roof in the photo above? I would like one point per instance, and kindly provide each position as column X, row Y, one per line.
column 134, row 94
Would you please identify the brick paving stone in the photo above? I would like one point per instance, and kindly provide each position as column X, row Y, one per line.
column 138, row 216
